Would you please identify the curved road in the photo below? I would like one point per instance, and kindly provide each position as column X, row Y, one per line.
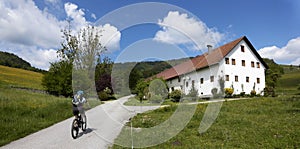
column 105, row 122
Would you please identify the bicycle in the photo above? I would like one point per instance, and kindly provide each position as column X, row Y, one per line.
column 79, row 123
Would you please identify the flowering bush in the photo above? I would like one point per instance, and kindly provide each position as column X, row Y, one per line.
column 228, row 92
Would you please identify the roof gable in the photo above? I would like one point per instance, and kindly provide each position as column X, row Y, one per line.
column 207, row 59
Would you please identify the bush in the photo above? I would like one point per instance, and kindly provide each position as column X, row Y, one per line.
column 269, row 91
column 242, row 94
column 103, row 96
column 253, row 93
column 214, row 91
column 175, row 95
column 228, row 92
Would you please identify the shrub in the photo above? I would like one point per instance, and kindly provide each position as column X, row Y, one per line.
column 175, row 95
column 242, row 94
column 228, row 92
column 269, row 91
column 103, row 96
column 214, row 91
column 253, row 93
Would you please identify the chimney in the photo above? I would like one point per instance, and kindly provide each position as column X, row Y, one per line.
column 209, row 48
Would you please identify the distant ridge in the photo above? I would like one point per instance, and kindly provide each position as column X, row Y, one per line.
column 12, row 60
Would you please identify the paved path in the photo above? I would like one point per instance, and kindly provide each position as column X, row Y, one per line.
column 104, row 124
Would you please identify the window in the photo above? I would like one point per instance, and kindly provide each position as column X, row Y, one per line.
column 242, row 48
column 247, row 79
column 179, row 79
column 201, row 81
column 243, row 63
column 193, row 82
column 212, row 78
column 226, row 77
column 258, row 64
column 226, row 60
column 252, row 64
column 258, row 80
column 236, row 78
column 233, row 61
column 170, row 81
column 172, row 88
column 186, row 84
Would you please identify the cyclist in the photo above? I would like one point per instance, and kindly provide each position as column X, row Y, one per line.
column 77, row 103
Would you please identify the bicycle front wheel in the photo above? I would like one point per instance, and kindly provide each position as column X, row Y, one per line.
column 74, row 129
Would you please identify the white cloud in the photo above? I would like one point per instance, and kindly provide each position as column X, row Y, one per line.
column 35, row 35
column 21, row 22
column 110, row 37
column 181, row 29
column 93, row 16
column 77, row 16
column 288, row 54
column 52, row 1
column 37, row 57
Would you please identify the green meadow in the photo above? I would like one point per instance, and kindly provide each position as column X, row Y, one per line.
column 259, row 122
column 24, row 111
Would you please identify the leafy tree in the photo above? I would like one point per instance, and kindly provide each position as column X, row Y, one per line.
column 78, row 56
column 142, row 89
column 58, row 79
column 158, row 90
column 272, row 75
column 103, row 78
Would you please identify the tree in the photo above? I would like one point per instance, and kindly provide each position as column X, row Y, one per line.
column 78, row 58
column 142, row 89
column 58, row 80
column 103, row 75
column 272, row 75
column 158, row 90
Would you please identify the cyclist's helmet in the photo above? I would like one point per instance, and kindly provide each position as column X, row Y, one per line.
column 79, row 94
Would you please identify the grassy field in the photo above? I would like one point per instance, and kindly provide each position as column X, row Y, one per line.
column 263, row 122
column 23, row 111
column 20, row 78
column 289, row 83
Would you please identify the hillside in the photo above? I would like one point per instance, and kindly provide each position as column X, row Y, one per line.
column 12, row 60
column 20, row 78
column 289, row 82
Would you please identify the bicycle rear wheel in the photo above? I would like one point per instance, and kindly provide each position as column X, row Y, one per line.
column 84, row 122
column 74, row 129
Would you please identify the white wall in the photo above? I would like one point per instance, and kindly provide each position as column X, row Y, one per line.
column 243, row 71
column 203, row 89
column 222, row 69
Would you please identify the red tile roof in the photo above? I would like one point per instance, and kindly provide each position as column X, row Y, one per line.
column 205, row 60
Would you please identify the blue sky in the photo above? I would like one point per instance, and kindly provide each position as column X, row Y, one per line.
column 272, row 26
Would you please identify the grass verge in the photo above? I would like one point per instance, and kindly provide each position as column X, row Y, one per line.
column 254, row 123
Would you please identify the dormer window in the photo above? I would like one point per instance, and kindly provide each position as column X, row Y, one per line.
column 242, row 48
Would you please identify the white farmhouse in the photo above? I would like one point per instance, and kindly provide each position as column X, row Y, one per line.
column 237, row 62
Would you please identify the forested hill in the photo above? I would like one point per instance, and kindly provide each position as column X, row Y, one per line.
column 12, row 60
